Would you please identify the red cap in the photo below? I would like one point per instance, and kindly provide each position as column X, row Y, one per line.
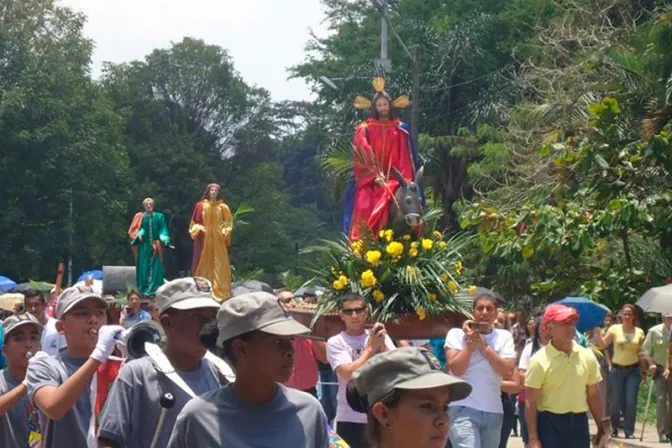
column 559, row 313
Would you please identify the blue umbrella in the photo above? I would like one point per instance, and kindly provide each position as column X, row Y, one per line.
column 6, row 284
column 591, row 314
column 96, row 275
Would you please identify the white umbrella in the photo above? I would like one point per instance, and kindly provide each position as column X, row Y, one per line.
column 657, row 300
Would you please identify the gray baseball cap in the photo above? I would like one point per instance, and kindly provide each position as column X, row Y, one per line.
column 13, row 322
column 405, row 368
column 74, row 295
column 187, row 293
column 255, row 311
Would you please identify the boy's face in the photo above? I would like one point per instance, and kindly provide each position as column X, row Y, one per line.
column 183, row 329
column 270, row 356
column 78, row 323
column 19, row 342
column 35, row 306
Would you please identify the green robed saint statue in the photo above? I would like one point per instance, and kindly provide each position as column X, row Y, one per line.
column 149, row 235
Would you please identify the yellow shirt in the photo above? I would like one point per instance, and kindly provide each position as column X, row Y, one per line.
column 627, row 346
column 562, row 379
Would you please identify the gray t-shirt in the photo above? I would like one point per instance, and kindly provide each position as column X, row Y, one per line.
column 132, row 410
column 71, row 430
column 219, row 419
column 14, row 424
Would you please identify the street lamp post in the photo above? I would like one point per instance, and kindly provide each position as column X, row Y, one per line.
column 415, row 59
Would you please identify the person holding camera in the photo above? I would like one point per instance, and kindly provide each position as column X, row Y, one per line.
column 405, row 395
column 133, row 313
column 481, row 355
column 347, row 352
column 132, row 414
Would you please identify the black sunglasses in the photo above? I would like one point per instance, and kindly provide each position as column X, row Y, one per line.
column 355, row 311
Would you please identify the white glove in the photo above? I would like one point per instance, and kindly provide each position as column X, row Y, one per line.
column 121, row 343
column 108, row 336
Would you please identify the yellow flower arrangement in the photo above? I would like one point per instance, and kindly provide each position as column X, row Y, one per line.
column 395, row 249
column 368, row 278
column 397, row 274
column 378, row 295
column 472, row 290
column 452, row 287
column 373, row 256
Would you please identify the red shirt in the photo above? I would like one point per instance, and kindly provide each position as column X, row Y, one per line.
column 305, row 374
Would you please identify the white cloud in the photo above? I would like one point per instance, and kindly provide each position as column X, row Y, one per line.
column 264, row 37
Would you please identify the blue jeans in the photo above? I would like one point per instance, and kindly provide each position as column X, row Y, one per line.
column 328, row 393
column 470, row 428
column 624, row 384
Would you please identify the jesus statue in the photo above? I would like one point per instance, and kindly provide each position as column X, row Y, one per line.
column 381, row 144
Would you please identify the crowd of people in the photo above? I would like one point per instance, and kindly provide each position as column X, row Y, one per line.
column 280, row 388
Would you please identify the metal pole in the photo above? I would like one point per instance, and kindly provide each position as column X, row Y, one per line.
column 71, row 229
column 415, row 101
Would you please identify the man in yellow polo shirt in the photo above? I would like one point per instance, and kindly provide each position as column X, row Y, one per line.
column 561, row 386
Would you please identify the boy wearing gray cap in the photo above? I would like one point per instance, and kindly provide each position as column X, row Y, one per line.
column 60, row 386
column 256, row 337
column 18, row 424
column 132, row 412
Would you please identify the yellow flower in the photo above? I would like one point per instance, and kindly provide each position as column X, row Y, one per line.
column 452, row 287
column 420, row 312
column 395, row 249
column 442, row 244
column 337, row 285
column 373, row 256
column 381, row 234
column 437, row 234
column 357, row 247
column 413, row 252
column 431, row 296
column 389, row 235
column 458, row 268
column 378, row 295
column 444, row 277
column 427, row 244
column 406, row 237
column 368, row 278
column 472, row 290
column 343, row 279
column 415, row 244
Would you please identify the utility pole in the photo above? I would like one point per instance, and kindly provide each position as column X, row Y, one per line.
column 384, row 64
column 381, row 5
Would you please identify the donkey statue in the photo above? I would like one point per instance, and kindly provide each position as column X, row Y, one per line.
column 405, row 212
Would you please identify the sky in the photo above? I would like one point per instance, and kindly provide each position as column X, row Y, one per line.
column 264, row 37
